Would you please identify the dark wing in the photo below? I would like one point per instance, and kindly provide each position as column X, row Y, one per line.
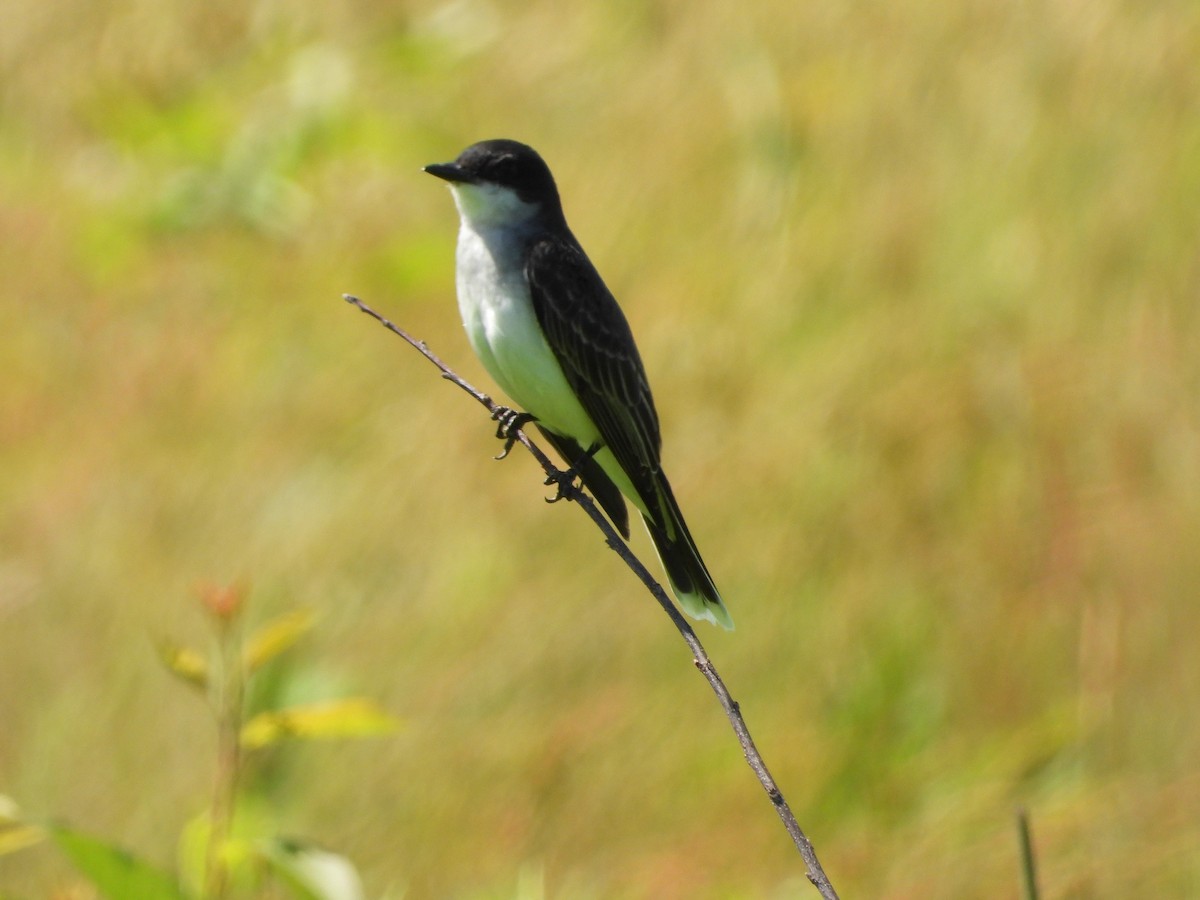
column 591, row 339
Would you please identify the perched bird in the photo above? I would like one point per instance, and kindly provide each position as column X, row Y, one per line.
column 550, row 333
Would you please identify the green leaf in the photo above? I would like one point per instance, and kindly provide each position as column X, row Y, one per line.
column 114, row 872
column 313, row 873
column 275, row 637
column 346, row 718
column 184, row 663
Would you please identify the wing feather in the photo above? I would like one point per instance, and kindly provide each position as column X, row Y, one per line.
column 591, row 339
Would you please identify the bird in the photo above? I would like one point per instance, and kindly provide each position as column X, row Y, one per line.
column 550, row 333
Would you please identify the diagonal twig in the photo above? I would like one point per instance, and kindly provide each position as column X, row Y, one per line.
column 572, row 491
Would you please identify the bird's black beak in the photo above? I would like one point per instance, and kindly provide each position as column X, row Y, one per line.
column 451, row 172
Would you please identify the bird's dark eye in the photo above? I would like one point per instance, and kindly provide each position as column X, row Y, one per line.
column 504, row 169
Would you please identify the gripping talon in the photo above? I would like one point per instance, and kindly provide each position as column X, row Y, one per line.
column 566, row 480
column 510, row 421
column 564, row 483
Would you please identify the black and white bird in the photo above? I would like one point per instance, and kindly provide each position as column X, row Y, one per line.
column 550, row 333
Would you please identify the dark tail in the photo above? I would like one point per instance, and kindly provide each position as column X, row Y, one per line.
column 689, row 577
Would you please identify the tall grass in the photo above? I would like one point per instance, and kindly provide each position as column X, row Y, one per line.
column 916, row 287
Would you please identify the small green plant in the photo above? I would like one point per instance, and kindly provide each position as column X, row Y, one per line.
column 231, row 849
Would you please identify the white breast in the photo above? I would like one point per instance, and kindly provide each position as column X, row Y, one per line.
column 497, row 312
column 498, row 315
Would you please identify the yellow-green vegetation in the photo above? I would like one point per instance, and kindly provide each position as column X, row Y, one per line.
column 916, row 285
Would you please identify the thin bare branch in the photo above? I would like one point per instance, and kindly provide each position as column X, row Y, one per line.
column 569, row 490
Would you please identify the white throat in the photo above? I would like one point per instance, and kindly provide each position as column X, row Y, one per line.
column 486, row 206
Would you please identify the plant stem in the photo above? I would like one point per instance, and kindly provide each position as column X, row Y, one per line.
column 228, row 710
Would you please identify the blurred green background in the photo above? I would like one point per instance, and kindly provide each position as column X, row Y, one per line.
column 916, row 285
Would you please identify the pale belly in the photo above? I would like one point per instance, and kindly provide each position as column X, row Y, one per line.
column 503, row 330
column 504, row 333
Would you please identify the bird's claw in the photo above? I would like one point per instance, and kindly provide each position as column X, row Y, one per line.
column 564, row 482
column 509, row 422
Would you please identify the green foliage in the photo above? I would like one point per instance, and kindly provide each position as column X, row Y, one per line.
column 274, row 638
column 354, row 717
column 232, row 849
column 184, row 663
column 112, row 871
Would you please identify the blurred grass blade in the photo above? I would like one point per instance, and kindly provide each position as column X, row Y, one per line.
column 313, row 873
column 1029, row 885
column 275, row 637
column 16, row 836
column 192, row 850
column 184, row 663
column 114, row 872
column 346, row 718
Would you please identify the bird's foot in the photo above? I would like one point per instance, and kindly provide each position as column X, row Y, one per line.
column 510, row 421
column 564, row 484
column 565, row 480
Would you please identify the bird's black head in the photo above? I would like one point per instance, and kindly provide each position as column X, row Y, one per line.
column 505, row 164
